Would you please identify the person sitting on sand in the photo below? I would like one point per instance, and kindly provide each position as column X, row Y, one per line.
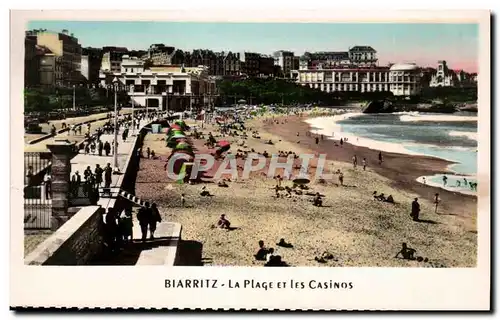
column 381, row 197
column 153, row 154
column 261, row 254
column 265, row 154
column 211, row 139
column 223, row 222
column 325, row 256
column 389, row 199
column 284, row 244
column 406, row 252
column 275, row 261
column 204, row 192
column 375, row 195
column 317, row 201
column 277, row 191
column 270, row 254
column 222, row 184
column 278, row 180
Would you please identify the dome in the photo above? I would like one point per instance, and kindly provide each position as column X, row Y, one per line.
column 404, row 66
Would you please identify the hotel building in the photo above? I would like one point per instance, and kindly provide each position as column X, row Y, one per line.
column 67, row 54
column 174, row 88
column 400, row 79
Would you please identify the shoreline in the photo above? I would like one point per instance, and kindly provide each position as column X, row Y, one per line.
column 402, row 169
column 391, row 147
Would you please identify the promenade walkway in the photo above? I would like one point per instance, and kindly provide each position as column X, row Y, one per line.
column 82, row 161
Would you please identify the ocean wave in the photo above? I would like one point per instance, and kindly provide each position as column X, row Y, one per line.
column 414, row 117
column 329, row 127
column 470, row 135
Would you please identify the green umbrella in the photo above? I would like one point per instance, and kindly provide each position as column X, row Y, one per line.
column 183, row 146
column 177, row 136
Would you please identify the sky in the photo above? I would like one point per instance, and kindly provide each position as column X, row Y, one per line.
column 422, row 43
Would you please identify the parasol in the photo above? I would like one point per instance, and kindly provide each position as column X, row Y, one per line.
column 178, row 135
column 182, row 146
column 223, row 143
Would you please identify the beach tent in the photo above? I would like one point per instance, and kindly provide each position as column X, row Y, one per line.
column 176, row 127
column 223, row 143
column 183, row 145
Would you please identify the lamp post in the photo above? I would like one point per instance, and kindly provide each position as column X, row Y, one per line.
column 147, row 111
column 191, row 105
column 74, row 104
column 133, row 111
column 115, row 143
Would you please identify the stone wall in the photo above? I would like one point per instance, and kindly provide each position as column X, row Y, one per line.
column 75, row 243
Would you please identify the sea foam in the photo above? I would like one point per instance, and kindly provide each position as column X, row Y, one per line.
column 415, row 116
column 470, row 135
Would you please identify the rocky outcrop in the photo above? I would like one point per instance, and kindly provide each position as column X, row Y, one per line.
column 385, row 106
column 379, row 106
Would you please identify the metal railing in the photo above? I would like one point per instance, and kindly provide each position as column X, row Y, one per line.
column 37, row 190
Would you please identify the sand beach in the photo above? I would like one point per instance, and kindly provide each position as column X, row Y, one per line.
column 353, row 227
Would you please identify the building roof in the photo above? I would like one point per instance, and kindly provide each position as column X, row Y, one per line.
column 404, row 67
column 362, row 49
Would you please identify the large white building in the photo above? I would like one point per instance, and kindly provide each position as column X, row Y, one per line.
column 404, row 79
column 172, row 88
column 400, row 79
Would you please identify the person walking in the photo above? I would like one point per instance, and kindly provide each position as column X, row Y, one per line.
column 445, row 181
column 98, row 175
column 100, row 147
column 380, row 158
column 154, row 219
column 125, row 134
column 415, row 209
column 364, row 164
column 436, row 202
column 144, row 217
column 111, row 228
column 107, row 148
column 107, row 176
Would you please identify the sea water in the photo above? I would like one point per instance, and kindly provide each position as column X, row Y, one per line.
column 449, row 137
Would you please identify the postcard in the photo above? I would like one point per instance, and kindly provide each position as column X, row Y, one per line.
column 161, row 156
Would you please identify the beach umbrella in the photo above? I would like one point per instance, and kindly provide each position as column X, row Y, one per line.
column 178, row 136
column 223, row 143
column 182, row 145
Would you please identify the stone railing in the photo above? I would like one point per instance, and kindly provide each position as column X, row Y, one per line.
column 75, row 243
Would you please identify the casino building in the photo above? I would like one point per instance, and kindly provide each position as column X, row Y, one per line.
column 400, row 79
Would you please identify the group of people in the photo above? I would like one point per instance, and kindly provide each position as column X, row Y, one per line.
column 269, row 256
column 119, row 226
column 92, row 180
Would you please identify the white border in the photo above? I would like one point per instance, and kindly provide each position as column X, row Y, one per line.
column 375, row 288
